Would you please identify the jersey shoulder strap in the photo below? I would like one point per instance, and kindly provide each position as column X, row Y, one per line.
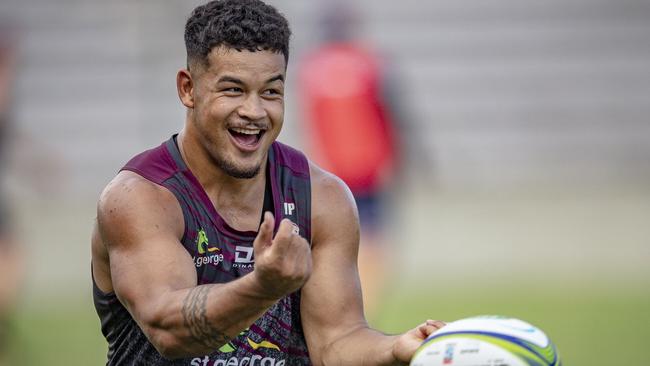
column 156, row 165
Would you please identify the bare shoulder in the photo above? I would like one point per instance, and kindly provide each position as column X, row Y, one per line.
column 136, row 219
column 335, row 245
column 129, row 198
column 333, row 205
column 127, row 186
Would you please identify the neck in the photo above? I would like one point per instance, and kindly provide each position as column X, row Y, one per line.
column 227, row 193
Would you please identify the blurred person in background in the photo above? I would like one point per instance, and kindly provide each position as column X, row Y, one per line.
column 7, row 63
column 10, row 279
column 350, row 115
column 10, row 257
column 222, row 245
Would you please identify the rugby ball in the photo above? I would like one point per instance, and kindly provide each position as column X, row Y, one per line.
column 487, row 341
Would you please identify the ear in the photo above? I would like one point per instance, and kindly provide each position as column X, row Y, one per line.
column 185, row 87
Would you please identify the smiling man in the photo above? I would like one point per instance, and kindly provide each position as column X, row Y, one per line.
column 223, row 246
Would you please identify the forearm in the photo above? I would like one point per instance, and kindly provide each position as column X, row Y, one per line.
column 363, row 346
column 199, row 320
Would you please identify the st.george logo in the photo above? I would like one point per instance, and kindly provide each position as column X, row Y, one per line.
column 253, row 360
column 207, row 254
column 202, row 244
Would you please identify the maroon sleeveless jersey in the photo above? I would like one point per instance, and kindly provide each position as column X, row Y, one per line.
column 220, row 254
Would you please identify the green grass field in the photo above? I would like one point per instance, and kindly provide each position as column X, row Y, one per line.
column 591, row 326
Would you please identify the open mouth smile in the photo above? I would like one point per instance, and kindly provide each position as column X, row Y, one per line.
column 246, row 139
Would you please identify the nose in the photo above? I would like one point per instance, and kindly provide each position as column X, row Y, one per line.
column 252, row 108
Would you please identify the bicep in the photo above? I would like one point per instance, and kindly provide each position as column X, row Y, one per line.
column 331, row 300
column 141, row 224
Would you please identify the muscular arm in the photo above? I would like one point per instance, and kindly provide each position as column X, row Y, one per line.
column 140, row 224
column 332, row 309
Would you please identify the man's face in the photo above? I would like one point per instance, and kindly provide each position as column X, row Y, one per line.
column 239, row 107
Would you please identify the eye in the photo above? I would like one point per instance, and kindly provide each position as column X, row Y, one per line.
column 272, row 92
column 233, row 89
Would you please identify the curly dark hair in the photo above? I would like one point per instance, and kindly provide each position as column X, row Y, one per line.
column 240, row 24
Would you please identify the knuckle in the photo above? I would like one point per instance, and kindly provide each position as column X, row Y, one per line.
column 284, row 224
column 282, row 236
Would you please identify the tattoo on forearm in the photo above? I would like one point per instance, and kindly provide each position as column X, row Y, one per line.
column 195, row 317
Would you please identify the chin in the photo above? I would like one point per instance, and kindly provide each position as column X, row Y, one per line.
column 244, row 174
column 240, row 168
column 239, row 171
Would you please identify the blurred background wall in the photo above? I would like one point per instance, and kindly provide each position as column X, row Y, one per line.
column 528, row 154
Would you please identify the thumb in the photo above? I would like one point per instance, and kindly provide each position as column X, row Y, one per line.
column 430, row 326
column 265, row 234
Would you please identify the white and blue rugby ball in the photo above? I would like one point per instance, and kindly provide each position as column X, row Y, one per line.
column 487, row 341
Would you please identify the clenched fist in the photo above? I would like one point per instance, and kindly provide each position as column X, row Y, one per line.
column 282, row 263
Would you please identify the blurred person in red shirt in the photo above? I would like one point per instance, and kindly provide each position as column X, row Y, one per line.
column 343, row 87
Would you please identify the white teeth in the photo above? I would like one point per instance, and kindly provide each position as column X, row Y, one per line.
column 246, row 131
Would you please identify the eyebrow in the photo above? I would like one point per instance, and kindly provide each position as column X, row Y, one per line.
column 231, row 79
column 277, row 77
